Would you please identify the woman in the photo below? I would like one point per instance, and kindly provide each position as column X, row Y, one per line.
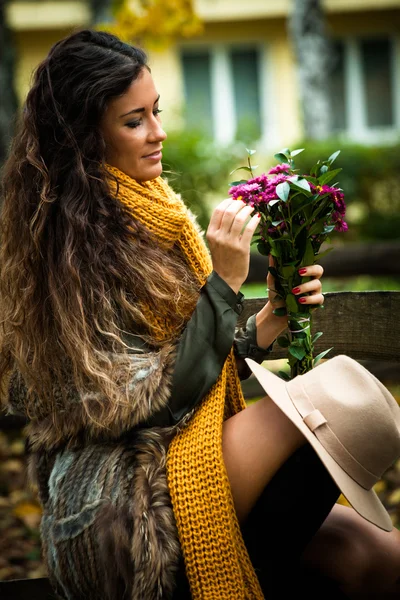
column 119, row 342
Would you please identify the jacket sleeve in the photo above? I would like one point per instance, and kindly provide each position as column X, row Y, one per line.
column 204, row 347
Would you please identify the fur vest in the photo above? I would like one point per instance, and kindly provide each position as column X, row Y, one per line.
column 108, row 529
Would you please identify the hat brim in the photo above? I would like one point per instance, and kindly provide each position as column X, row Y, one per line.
column 365, row 502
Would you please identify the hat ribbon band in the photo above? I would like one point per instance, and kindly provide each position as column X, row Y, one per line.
column 318, row 424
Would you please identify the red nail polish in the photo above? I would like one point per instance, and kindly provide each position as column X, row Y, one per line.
column 258, row 215
column 302, row 300
column 302, row 271
column 296, row 290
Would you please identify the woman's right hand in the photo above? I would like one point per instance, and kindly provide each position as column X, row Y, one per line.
column 229, row 238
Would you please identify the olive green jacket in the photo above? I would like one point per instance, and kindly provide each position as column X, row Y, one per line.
column 204, row 347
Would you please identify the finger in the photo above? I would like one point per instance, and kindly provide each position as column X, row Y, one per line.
column 312, row 271
column 314, row 299
column 239, row 213
column 250, row 228
column 239, row 221
column 219, row 211
column 313, row 286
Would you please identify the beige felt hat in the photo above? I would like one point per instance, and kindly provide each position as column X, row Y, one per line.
column 351, row 420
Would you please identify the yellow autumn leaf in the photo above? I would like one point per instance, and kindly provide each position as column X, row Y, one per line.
column 154, row 23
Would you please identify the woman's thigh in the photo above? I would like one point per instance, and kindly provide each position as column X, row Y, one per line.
column 255, row 443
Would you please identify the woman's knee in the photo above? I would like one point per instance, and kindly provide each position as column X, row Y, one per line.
column 361, row 557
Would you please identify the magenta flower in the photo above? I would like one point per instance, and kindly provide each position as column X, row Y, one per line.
column 299, row 212
column 282, row 168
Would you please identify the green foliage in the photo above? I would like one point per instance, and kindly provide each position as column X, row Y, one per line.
column 196, row 167
column 371, row 182
column 297, row 213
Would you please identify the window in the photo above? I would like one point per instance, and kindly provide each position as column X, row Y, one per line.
column 196, row 73
column 364, row 89
column 376, row 59
column 223, row 91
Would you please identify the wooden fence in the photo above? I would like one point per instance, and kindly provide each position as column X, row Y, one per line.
column 363, row 325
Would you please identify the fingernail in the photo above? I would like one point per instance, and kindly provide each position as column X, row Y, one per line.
column 296, row 290
column 302, row 300
column 258, row 215
column 302, row 271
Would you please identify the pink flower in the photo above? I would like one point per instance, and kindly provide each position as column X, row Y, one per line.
column 340, row 224
column 282, row 168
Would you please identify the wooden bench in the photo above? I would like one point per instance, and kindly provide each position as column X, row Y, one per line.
column 363, row 325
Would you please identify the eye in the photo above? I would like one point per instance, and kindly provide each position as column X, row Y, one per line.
column 157, row 111
column 133, row 124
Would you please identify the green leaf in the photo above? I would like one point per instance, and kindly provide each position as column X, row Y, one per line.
column 284, row 375
column 316, row 336
column 287, row 271
column 280, row 157
column 276, row 223
column 333, row 156
column 317, row 227
column 313, row 180
column 328, row 176
column 303, row 184
column 291, row 303
column 250, row 152
column 242, row 168
column 239, row 182
column 296, row 152
column 272, row 203
column 323, row 169
column 321, row 355
column 297, row 352
column 328, row 229
column 309, row 256
column 283, row 341
column 283, row 190
column 314, row 170
column 273, row 272
column 275, row 251
column 261, row 247
column 301, row 335
column 279, row 312
column 325, row 252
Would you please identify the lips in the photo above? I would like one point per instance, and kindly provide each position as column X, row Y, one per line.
column 154, row 155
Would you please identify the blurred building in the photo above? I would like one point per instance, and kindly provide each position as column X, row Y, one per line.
column 238, row 79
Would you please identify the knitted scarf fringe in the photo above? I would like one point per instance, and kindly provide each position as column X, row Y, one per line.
column 217, row 563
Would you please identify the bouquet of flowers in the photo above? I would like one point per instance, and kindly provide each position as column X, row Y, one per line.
column 298, row 212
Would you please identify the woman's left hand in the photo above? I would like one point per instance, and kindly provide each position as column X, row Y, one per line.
column 309, row 292
column 269, row 325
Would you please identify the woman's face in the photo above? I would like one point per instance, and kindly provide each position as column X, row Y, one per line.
column 132, row 130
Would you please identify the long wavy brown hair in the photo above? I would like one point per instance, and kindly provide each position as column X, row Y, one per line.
column 75, row 269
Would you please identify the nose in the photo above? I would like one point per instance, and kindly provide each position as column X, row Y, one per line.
column 156, row 132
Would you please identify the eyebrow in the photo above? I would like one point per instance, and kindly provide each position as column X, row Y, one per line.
column 138, row 110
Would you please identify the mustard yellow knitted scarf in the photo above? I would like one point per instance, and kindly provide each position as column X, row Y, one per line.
column 217, row 562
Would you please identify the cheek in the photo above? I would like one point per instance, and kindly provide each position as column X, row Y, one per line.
column 129, row 143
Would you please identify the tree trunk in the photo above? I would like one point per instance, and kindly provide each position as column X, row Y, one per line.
column 312, row 51
column 8, row 99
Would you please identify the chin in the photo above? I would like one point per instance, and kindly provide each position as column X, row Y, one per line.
column 149, row 175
